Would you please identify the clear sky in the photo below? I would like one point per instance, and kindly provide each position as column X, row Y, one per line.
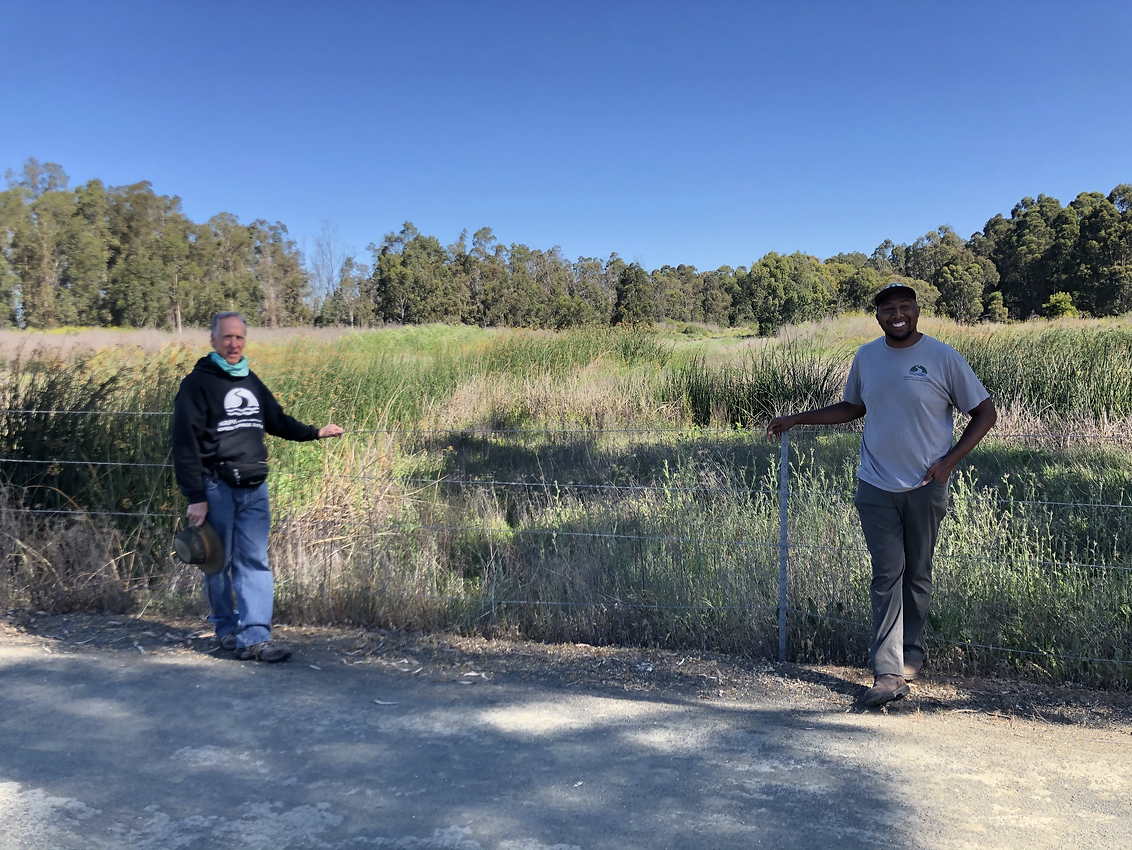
column 702, row 133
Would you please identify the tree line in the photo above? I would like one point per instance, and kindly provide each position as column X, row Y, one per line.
column 126, row 256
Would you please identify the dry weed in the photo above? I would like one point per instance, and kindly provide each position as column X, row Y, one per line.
column 64, row 342
column 1017, row 421
column 61, row 563
column 327, row 558
column 592, row 397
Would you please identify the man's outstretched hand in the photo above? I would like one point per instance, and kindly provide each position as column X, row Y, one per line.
column 834, row 414
column 330, row 430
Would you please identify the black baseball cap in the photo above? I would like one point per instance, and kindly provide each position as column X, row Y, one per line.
column 893, row 289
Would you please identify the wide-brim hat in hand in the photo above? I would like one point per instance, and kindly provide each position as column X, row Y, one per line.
column 201, row 547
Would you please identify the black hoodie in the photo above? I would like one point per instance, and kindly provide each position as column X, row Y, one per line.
column 221, row 418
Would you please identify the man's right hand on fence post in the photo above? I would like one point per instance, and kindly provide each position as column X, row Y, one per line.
column 778, row 425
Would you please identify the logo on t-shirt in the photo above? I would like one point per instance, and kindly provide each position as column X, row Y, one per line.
column 241, row 402
column 918, row 373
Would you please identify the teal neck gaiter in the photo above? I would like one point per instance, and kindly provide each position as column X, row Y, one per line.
column 240, row 370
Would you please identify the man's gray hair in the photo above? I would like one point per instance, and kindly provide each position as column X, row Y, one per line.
column 220, row 317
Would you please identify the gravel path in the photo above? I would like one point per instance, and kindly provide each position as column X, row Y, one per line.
column 122, row 733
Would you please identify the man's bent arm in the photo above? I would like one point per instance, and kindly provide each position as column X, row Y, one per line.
column 983, row 418
column 834, row 414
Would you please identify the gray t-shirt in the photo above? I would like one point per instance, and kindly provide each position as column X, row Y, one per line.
column 910, row 396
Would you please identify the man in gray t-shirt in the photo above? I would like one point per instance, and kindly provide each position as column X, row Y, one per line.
column 907, row 386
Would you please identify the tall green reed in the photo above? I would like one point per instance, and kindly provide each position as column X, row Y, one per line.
column 1058, row 373
column 772, row 381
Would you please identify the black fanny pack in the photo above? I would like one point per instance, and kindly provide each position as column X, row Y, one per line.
column 241, row 474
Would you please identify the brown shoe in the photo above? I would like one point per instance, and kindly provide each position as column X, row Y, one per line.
column 267, row 650
column 912, row 671
column 886, row 688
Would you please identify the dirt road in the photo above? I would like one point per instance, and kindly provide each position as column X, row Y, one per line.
column 134, row 738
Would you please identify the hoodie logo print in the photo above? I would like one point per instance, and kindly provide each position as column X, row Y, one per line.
column 241, row 402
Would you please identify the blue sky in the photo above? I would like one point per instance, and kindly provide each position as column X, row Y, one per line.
column 706, row 133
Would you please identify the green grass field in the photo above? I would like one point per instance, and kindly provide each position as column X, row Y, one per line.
column 599, row 486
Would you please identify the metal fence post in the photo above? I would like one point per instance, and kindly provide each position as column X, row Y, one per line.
column 783, row 497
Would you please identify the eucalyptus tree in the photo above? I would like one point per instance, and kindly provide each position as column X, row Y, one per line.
column 593, row 287
column 283, row 282
column 718, row 291
column 36, row 178
column 1103, row 255
column 635, row 304
column 11, row 209
column 137, row 286
column 412, row 281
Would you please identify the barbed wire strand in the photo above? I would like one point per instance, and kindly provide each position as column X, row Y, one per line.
column 586, row 534
column 690, row 430
column 633, row 605
column 402, row 527
column 948, row 556
column 317, row 476
column 563, row 485
column 87, row 463
column 65, row 512
column 848, row 495
column 487, row 602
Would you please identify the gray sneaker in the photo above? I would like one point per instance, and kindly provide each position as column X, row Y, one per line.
column 267, row 650
column 228, row 642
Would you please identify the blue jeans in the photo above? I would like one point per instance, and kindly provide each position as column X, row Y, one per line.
column 240, row 595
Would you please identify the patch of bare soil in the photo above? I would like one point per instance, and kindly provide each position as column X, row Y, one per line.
column 702, row 675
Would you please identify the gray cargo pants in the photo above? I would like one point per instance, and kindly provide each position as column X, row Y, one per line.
column 901, row 531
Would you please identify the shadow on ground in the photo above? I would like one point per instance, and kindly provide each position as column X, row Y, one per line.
column 114, row 749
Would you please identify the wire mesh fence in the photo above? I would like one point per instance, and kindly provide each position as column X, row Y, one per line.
column 681, row 537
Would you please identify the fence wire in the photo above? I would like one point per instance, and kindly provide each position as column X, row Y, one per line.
column 497, row 487
column 555, row 484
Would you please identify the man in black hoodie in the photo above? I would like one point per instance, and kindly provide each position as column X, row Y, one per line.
column 221, row 412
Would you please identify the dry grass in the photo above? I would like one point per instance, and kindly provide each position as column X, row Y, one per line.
column 1017, row 421
column 334, row 557
column 592, row 397
column 851, row 330
column 63, row 563
column 66, row 341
